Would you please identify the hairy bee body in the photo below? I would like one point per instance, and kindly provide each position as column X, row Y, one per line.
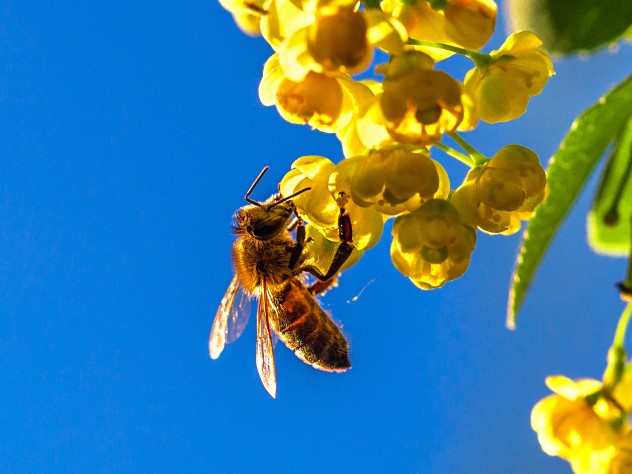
column 268, row 263
column 256, row 261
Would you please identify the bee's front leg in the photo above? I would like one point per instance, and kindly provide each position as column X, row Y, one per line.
column 297, row 250
column 345, row 247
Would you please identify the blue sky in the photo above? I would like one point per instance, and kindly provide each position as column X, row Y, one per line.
column 129, row 132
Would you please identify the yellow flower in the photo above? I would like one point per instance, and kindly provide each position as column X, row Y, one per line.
column 621, row 463
column 569, row 427
column 396, row 180
column 465, row 23
column 504, row 191
column 431, row 245
column 339, row 40
column 321, row 205
column 282, row 19
column 364, row 96
column 247, row 14
column 322, row 249
column 623, row 390
column 326, row 102
column 517, row 71
column 419, row 104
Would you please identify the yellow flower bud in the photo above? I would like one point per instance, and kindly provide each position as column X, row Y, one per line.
column 510, row 179
column 518, row 71
column 325, row 102
column 419, row 104
column 431, row 245
column 338, row 42
column 390, row 178
column 504, row 191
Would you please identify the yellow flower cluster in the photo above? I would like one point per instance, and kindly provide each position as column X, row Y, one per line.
column 587, row 423
column 388, row 126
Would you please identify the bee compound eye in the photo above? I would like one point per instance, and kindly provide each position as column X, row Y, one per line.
column 267, row 228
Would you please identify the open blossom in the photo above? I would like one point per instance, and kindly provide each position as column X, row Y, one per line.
column 465, row 23
column 517, row 71
column 339, row 40
column 397, row 180
column 432, row 245
column 575, row 424
column 419, row 104
column 326, row 102
column 498, row 195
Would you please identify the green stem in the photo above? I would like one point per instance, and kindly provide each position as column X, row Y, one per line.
column 625, row 288
column 616, row 354
column 479, row 59
column 477, row 157
column 619, row 335
column 462, row 157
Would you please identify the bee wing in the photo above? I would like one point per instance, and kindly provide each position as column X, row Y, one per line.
column 230, row 319
column 239, row 315
column 265, row 354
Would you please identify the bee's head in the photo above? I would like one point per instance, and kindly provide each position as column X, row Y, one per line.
column 266, row 220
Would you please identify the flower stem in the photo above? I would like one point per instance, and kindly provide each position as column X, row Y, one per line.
column 477, row 157
column 479, row 59
column 619, row 335
column 462, row 157
column 616, row 354
column 625, row 287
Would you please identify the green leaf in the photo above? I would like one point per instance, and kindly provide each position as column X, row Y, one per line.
column 567, row 26
column 569, row 168
column 609, row 227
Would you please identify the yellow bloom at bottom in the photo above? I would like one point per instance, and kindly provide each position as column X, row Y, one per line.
column 575, row 424
column 570, row 428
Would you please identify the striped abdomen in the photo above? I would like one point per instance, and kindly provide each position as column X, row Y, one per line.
column 306, row 329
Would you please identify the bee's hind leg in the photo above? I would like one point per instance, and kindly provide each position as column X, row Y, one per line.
column 322, row 287
column 343, row 252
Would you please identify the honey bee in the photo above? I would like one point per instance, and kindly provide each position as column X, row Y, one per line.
column 268, row 264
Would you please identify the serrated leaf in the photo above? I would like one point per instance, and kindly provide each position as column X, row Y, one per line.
column 609, row 227
column 567, row 26
column 568, row 170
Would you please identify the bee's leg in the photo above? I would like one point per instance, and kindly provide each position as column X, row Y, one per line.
column 297, row 250
column 321, row 287
column 294, row 223
column 343, row 252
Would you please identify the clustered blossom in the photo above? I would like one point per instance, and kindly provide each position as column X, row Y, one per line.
column 390, row 126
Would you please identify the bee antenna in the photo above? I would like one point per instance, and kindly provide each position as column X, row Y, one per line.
column 252, row 187
column 289, row 197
